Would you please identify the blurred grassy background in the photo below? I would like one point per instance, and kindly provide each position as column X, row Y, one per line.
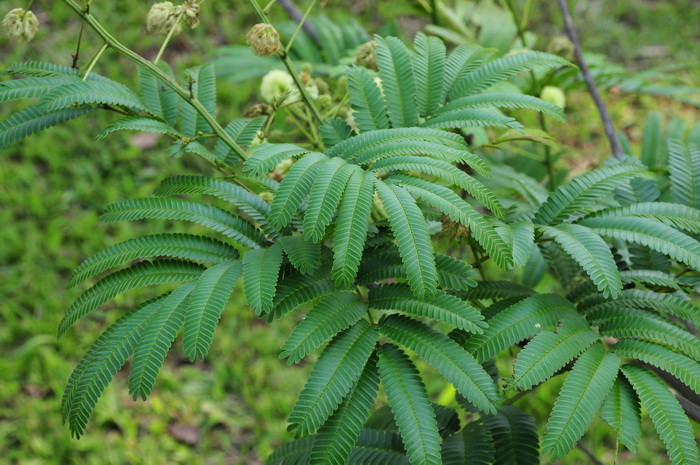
column 231, row 408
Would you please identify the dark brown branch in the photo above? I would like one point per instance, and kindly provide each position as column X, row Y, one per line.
column 589, row 454
column 296, row 15
column 592, row 89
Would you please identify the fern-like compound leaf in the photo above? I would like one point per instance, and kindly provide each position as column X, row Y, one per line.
column 172, row 245
column 429, row 70
column 264, row 157
column 158, row 335
column 471, row 118
column 669, row 419
column 324, row 197
column 622, row 412
column 329, row 316
column 580, row 399
column 584, row 191
column 294, row 187
column 549, row 351
column 32, row 87
column 90, row 92
column 518, row 322
column 334, row 131
column 589, row 251
column 684, row 168
column 503, row 100
column 31, row 120
column 452, row 205
column 206, row 303
column 412, row 238
column 472, row 445
column 650, row 233
column 440, row 306
column 209, row 216
column 337, row 370
column 501, row 69
column 337, row 437
column 410, row 405
column 672, row 214
column 515, row 438
column 684, row 368
column 366, row 100
column 101, row 363
column 139, row 123
column 160, row 100
column 243, row 131
column 398, row 82
column 448, row 358
column 304, row 255
column 135, row 277
column 298, row 289
column 351, row 226
column 460, row 62
column 261, row 269
column 201, row 81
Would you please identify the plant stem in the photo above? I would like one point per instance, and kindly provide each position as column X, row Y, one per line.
column 295, row 14
column 168, row 37
column 299, row 26
column 290, row 67
column 77, row 48
column 435, row 14
column 590, row 83
column 93, row 61
column 167, row 80
column 26, row 8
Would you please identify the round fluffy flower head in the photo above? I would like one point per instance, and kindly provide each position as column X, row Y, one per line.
column 191, row 13
column 553, row 95
column 264, row 40
column 20, row 25
column 562, row 46
column 367, row 55
column 275, row 84
column 161, row 18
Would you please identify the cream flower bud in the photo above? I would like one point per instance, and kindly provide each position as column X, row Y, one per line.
column 367, row 55
column 161, row 18
column 264, row 40
column 275, row 84
column 20, row 25
column 553, row 95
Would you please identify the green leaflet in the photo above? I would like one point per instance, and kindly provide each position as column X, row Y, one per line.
column 336, row 438
column 206, row 303
column 32, row 87
column 160, row 100
column 139, row 123
column 580, row 398
column 154, row 343
column 135, row 277
column 440, row 306
column 337, row 370
column 31, row 120
column 294, row 188
column 410, row 405
column 334, row 131
column 412, row 238
column 517, row 322
column 669, row 419
column 515, row 439
column 684, row 168
column 243, row 131
column 351, row 226
column 304, row 255
column 452, row 205
column 324, row 197
column 504, row 100
column 210, row 216
column 201, row 81
column 366, row 100
column 172, row 245
column 549, row 351
column 589, row 251
column 471, row 118
column 398, row 82
column 329, row 316
column 264, row 157
column 429, row 70
column 451, row 360
column 684, row 368
column 621, row 411
column 90, row 92
column 261, row 269
column 297, row 289
column 101, row 363
column 581, row 193
column 473, row 445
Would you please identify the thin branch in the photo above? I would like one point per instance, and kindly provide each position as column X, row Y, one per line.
column 592, row 89
column 297, row 16
column 589, row 454
column 157, row 72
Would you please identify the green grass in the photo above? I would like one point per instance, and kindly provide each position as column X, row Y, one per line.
column 52, row 190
